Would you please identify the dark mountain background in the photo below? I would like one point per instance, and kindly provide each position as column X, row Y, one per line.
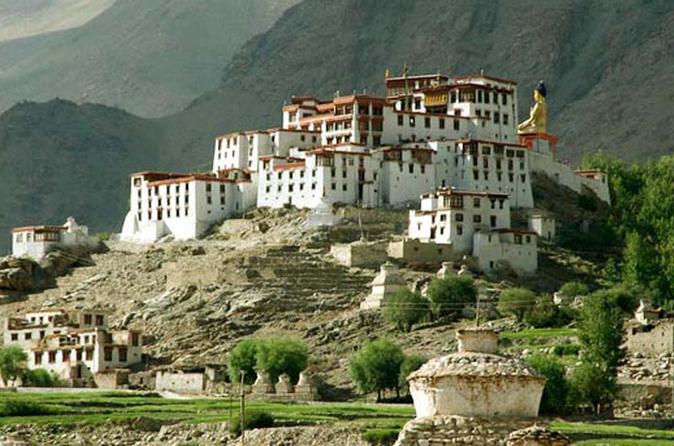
column 607, row 66
column 149, row 57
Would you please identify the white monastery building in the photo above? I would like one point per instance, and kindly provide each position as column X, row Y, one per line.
column 184, row 205
column 37, row 241
column 477, row 224
column 75, row 345
column 428, row 132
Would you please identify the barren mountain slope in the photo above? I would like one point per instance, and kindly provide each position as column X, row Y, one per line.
column 150, row 57
column 24, row 18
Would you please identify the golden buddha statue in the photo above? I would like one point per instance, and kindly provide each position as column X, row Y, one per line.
column 538, row 115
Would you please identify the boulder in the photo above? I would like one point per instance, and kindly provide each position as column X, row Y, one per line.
column 18, row 274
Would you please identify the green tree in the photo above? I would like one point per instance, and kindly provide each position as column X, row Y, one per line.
column 592, row 385
column 410, row 364
column 601, row 331
column 376, row 367
column 556, row 389
column 600, row 336
column 13, row 364
column 405, row 308
column 516, row 302
column 573, row 289
column 242, row 358
column 448, row 296
column 277, row 356
column 642, row 198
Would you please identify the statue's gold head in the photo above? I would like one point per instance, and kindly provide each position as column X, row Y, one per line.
column 538, row 97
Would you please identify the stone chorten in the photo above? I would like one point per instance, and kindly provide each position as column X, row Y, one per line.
column 388, row 281
column 474, row 397
column 476, row 382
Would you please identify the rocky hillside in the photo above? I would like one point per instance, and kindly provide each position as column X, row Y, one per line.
column 266, row 275
column 151, row 57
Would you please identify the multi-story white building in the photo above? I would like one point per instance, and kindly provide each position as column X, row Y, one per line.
column 75, row 345
column 184, row 205
column 451, row 216
column 506, row 248
column 326, row 175
column 477, row 224
column 428, row 132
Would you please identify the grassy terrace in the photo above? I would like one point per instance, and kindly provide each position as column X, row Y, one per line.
column 74, row 408
column 539, row 333
column 68, row 408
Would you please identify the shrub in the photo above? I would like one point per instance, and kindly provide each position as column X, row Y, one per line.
column 405, row 308
column 448, row 296
column 254, row 420
column 546, row 314
column 516, row 302
column 556, row 389
column 410, row 364
column 376, row 366
column 380, row 436
column 39, row 378
column 566, row 349
column 573, row 289
column 242, row 358
column 103, row 236
column 621, row 296
column 282, row 355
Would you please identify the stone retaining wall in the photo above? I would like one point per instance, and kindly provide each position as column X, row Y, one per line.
column 456, row 430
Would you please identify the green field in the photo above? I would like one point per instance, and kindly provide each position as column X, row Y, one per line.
column 75, row 408
column 69, row 408
column 616, row 442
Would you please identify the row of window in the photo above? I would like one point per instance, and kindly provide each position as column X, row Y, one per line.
column 496, row 117
column 457, row 202
column 482, row 96
column 499, row 176
column 376, row 126
column 412, row 122
column 65, row 356
column 39, row 237
column 153, row 191
column 362, row 110
column 485, row 163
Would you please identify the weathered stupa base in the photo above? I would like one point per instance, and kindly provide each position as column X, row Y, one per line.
column 446, row 430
